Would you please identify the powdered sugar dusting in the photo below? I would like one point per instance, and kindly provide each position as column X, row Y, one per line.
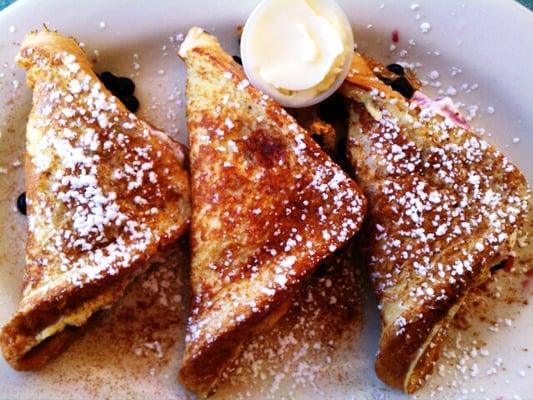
column 300, row 350
column 430, row 188
column 445, row 205
column 97, row 232
column 256, row 170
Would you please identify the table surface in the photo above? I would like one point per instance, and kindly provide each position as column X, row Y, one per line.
column 527, row 3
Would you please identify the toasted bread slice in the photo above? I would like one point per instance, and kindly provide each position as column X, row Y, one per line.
column 106, row 194
column 326, row 314
column 445, row 206
column 268, row 206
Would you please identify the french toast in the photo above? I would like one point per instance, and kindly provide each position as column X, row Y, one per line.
column 107, row 195
column 267, row 206
column 325, row 317
column 444, row 207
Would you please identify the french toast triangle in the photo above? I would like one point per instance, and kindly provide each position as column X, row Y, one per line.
column 107, row 196
column 268, row 205
column 445, row 207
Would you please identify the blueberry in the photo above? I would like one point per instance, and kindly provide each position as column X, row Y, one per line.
column 498, row 266
column 121, row 87
column 124, row 86
column 396, row 69
column 238, row 60
column 319, row 139
column 21, row 203
column 403, row 86
column 130, row 102
column 332, row 108
column 108, row 79
column 114, row 91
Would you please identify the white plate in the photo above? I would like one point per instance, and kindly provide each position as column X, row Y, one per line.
column 490, row 41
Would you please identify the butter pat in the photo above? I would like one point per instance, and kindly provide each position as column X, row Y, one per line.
column 297, row 51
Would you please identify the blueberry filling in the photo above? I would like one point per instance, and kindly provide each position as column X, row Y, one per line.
column 333, row 109
column 396, row 69
column 130, row 102
column 125, row 86
column 498, row 266
column 403, row 86
column 21, row 203
column 395, row 78
column 121, row 87
column 506, row 264
column 238, row 60
column 107, row 79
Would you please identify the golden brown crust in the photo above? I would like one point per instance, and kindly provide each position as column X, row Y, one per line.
column 106, row 193
column 199, row 372
column 445, row 206
column 45, row 350
column 268, row 206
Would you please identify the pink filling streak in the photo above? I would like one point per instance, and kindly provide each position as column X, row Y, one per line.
column 443, row 106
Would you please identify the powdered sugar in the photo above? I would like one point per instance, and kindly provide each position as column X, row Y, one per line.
column 82, row 126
